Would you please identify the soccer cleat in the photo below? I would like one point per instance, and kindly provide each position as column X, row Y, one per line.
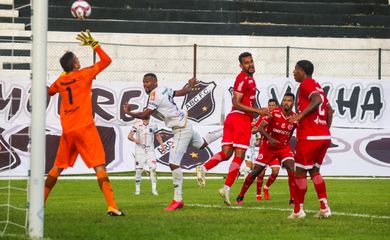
column 201, row 176
column 291, row 202
column 300, row 214
column 323, row 213
column 113, row 212
column 174, row 205
column 154, row 193
column 225, row 196
column 137, row 193
column 259, row 198
column 240, row 200
column 266, row 194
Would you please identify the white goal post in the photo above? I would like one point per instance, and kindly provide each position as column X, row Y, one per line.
column 38, row 139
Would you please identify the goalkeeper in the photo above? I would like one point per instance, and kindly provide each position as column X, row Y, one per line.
column 79, row 133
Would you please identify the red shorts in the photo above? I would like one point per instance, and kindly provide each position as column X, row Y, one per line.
column 84, row 141
column 310, row 153
column 237, row 130
column 274, row 157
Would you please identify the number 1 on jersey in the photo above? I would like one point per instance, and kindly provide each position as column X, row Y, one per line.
column 70, row 95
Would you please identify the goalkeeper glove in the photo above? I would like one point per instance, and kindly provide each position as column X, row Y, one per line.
column 87, row 39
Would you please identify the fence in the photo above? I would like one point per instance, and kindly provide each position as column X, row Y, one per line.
column 172, row 62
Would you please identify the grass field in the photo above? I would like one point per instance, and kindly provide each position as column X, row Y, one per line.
column 76, row 210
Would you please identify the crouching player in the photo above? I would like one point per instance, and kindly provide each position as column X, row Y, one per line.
column 275, row 145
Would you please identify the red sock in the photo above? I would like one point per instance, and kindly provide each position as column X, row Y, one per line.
column 259, row 184
column 233, row 171
column 320, row 187
column 300, row 191
column 271, row 179
column 291, row 184
column 247, row 183
column 215, row 160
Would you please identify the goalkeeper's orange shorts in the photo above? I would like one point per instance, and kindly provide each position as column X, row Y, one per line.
column 84, row 141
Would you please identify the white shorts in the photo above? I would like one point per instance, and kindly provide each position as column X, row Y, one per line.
column 182, row 138
column 250, row 154
column 145, row 159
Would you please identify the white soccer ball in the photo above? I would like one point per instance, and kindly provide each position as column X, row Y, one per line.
column 81, row 9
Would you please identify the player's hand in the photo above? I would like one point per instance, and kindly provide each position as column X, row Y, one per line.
column 137, row 141
column 295, row 118
column 273, row 142
column 263, row 111
column 126, row 108
column 163, row 148
column 192, row 82
column 86, row 39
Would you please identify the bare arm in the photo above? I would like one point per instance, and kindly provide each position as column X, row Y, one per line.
column 160, row 141
column 315, row 101
column 237, row 97
column 329, row 116
column 187, row 88
column 141, row 115
column 132, row 138
column 271, row 140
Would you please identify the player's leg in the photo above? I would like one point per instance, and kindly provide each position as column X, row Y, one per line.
column 275, row 166
column 181, row 140
column 90, row 147
column 51, row 180
column 139, row 166
column 289, row 166
column 257, row 169
column 259, row 184
column 211, row 137
column 318, row 181
column 152, row 163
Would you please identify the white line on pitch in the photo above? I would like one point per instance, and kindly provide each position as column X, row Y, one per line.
column 363, row 215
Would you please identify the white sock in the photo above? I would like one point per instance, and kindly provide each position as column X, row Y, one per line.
column 213, row 136
column 153, row 179
column 177, row 176
column 138, row 178
column 227, row 188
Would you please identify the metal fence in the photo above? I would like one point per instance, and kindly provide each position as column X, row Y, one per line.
column 172, row 62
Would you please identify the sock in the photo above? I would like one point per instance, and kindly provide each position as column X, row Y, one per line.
column 177, row 176
column 105, row 186
column 271, row 179
column 51, row 180
column 213, row 136
column 233, row 171
column 247, row 183
column 138, row 178
column 215, row 160
column 259, row 184
column 291, row 184
column 300, row 191
column 153, row 179
column 319, row 185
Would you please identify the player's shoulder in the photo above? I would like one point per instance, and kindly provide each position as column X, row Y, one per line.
column 242, row 76
column 277, row 110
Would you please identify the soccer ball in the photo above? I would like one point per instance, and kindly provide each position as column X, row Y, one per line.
column 81, row 9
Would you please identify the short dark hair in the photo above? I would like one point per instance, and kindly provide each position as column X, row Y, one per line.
column 244, row 55
column 273, row 100
column 67, row 62
column 306, row 66
column 290, row 94
column 152, row 75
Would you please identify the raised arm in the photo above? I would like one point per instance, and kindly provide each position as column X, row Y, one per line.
column 187, row 88
column 145, row 114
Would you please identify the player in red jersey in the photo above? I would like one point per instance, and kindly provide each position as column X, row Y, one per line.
column 274, row 165
column 313, row 138
column 79, row 133
column 277, row 131
column 237, row 127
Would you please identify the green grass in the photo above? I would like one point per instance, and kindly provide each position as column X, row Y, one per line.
column 76, row 210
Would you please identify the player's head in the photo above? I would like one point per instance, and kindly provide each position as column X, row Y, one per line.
column 288, row 101
column 150, row 82
column 246, row 63
column 69, row 62
column 272, row 104
column 303, row 69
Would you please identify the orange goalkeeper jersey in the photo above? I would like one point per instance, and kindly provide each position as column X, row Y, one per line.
column 75, row 90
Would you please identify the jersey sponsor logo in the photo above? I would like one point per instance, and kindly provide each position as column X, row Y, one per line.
column 200, row 103
column 68, row 83
column 152, row 96
column 192, row 157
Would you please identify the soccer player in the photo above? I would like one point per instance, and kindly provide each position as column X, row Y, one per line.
column 251, row 151
column 142, row 134
column 79, row 133
column 274, row 165
column 162, row 104
column 313, row 138
column 277, row 131
column 237, row 127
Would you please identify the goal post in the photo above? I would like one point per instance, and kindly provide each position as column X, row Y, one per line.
column 38, row 103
